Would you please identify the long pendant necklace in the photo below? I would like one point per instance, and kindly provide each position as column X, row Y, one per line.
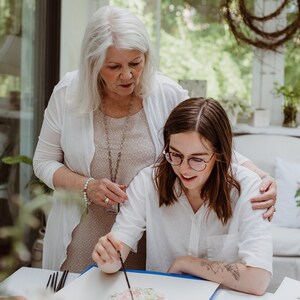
column 114, row 172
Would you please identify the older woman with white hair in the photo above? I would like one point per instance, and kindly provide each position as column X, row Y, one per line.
column 101, row 127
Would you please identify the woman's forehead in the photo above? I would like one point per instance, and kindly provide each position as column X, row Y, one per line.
column 115, row 54
column 190, row 142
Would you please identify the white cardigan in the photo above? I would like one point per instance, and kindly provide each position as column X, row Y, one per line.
column 67, row 139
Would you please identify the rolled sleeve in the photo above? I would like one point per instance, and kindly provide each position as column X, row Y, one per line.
column 255, row 239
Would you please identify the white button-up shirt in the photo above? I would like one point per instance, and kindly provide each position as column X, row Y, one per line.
column 177, row 231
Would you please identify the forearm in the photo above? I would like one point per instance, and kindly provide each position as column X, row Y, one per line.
column 65, row 179
column 251, row 166
column 232, row 275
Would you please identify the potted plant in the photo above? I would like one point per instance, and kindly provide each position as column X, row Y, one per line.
column 234, row 107
column 297, row 195
column 291, row 103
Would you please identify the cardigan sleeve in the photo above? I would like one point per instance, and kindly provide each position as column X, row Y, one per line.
column 48, row 156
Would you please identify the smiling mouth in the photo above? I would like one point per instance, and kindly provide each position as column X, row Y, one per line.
column 186, row 177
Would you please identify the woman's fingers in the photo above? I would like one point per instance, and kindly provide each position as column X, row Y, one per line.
column 269, row 214
column 97, row 257
column 258, row 203
column 106, row 193
column 106, row 250
column 268, row 183
column 267, row 198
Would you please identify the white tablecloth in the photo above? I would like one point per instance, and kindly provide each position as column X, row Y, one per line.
column 31, row 283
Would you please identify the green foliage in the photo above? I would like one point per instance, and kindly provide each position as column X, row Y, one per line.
column 233, row 105
column 11, row 160
column 35, row 185
column 195, row 44
column 297, row 195
column 7, row 21
column 41, row 198
column 290, row 93
column 19, row 252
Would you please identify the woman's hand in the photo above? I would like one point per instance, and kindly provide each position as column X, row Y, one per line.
column 105, row 193
column 106, row 253
column 267, row 199
column 106, row 250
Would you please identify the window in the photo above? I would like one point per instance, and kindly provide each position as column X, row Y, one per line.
column 196, row 44
column 28, row 71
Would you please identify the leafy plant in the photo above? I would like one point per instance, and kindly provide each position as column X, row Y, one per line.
column 291, row 95
column 19, row 252
column 291, row 103
column 41, row 198
column 34, row 183
column 233, row 105
column 297, row 195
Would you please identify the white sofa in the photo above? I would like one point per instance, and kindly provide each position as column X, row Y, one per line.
column 264, row 150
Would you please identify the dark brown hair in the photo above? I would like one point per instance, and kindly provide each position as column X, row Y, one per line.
column 208, row 118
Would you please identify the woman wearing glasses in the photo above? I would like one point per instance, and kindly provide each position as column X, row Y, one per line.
column 194, row 206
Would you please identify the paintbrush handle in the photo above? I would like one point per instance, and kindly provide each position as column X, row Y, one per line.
column 125, row 273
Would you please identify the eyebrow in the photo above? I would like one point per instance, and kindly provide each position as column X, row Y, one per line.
column 201, row 153
column 132, row 60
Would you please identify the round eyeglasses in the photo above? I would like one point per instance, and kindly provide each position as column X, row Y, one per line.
column 176, row 159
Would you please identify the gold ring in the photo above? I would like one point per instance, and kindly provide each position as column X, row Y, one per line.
column 106, row 200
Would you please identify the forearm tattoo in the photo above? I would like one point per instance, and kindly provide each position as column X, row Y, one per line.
column 217, row 267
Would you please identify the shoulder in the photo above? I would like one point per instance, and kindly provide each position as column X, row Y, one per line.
column 66, row 80
column 65, row 92
column 144, row 180
column 170, row 86
column 244, row 175
column 249, row 182
column 145, row 174
column 166, row 95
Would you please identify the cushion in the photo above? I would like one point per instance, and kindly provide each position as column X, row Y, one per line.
column 286, row 241
column 287, row 175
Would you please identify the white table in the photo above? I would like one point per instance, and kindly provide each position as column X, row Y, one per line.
column 31, row 281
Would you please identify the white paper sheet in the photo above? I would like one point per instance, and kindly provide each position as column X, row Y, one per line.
column 288, row 289
column 94, row 285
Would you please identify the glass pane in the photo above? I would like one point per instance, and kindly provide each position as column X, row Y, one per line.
column 10, row 91
column 195, row 44
column 17, row 92
column 18, row 102
column 292, row 53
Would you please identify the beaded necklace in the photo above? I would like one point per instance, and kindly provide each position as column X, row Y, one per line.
column 114, row 172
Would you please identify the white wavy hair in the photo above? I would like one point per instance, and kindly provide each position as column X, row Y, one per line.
column 111, row 26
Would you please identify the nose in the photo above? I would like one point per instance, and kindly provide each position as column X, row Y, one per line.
column 184, row 166
column 126, row 73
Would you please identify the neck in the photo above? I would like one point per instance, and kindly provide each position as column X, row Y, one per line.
column 194, row 199
column 111, row 97
column 117, row 107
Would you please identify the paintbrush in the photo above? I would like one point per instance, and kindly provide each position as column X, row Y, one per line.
column 125, row 273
